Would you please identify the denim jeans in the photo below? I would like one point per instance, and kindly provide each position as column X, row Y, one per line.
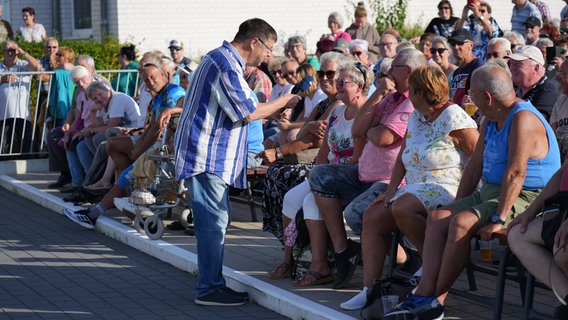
column 354, row 211
column 75, row 167
column 85, row 155
column 211, row 217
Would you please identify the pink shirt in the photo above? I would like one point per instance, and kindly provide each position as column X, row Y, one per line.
column 376, row 163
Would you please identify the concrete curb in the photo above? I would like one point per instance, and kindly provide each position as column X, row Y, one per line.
column 266, row 295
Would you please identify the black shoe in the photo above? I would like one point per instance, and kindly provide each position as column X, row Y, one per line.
column 561, row 312
column 221, row 297
column 237, row 293
column 76, row 197
column 61, row 181
column 412, row 264
column 70, row 188
column 346, row 262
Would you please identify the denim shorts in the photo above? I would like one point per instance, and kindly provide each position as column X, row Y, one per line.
column 485, row 201
column 337, row 181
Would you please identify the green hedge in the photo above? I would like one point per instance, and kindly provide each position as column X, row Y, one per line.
column 104, row 52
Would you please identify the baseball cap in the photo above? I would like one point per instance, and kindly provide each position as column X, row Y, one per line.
column 460, row 35
column 175, row 44
column 527, row 52
column 341, row 45
column 533, row 22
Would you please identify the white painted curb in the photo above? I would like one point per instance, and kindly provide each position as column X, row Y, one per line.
column 266, row 295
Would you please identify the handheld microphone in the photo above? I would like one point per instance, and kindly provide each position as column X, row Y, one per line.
column 303, row 85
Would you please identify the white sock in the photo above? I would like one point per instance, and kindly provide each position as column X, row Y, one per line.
column 357, row 302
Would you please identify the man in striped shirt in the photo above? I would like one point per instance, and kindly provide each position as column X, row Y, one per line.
column 211, row 147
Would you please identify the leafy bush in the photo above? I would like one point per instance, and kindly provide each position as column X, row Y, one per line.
column 103, row 52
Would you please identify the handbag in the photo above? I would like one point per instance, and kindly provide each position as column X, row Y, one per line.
column 553, row 215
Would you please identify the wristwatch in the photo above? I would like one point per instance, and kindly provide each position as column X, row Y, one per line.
column 278, row 153
column 495, row 219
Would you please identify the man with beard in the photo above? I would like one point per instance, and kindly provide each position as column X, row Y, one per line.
column 461, row 42
column 532, row 30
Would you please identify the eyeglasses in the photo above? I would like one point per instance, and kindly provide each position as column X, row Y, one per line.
column 439, row 51
column 340, row 83
column 386, row 44
column 357, row 53
column 482, row 11
column 330, row 74
column 276, row 72
column 264, row 44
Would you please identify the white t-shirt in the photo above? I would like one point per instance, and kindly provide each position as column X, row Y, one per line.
column 14, row 96
column 122, row 106
column 310, row 104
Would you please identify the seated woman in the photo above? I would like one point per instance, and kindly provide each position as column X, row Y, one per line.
column 280, row 87
column 435, row 149
column 545, row 258
column 444, row 24
column 335, row 24
column 441, row 51
column 61, row 86
column 282, row 176
column 352, row 84
column 290, row 124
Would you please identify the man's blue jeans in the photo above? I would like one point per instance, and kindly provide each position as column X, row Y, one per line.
column 211, row 217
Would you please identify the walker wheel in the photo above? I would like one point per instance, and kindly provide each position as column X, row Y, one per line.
column 139, row 223
column 154, row 227
column 186, row 218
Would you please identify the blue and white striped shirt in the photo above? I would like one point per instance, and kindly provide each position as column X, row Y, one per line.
column 212, row 135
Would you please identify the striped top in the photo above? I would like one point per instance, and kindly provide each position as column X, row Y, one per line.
column 212, row 135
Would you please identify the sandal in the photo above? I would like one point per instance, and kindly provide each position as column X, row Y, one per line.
column 275, row 275
column 318, row 279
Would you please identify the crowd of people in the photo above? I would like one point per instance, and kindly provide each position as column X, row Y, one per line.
column 453, row 135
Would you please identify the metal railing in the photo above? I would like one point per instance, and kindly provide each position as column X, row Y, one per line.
column 25, row 119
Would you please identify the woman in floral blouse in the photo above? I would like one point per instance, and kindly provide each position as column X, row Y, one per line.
column 31, row 31
column 439, row 139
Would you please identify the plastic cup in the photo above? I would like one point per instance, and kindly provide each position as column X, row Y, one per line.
column 389, row 302
column 470, row 108
column 485, row 250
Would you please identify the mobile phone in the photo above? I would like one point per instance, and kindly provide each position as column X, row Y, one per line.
column 552, row 52
column 473, row 2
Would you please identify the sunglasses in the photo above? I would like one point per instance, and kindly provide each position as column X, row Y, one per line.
column 563, row 30
column 276, row 72
column 330, row 74
column 440, row 51
column 482, row 11
column 456, row 43
column 357, row 53
column 291, row 73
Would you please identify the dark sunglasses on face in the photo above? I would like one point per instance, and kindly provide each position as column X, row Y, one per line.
column 291, row 73
column 456, row 43
column 357, row 53
column 330, row 74
column 276, row 72
column 440, row 51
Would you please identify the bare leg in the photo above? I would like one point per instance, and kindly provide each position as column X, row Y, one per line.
column 284, row 267
column 318, row 243
column 378, row 225
column 410, row 216
column 530, row 250
column 107, row 176
column 332, row 211
column 437, row 226
column 462, row 229
column 118, row 149
column 115, row 192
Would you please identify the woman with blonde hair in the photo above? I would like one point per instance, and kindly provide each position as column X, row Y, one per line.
column 361, row 29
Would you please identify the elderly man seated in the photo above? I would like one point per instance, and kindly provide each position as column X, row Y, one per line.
column 515, row 159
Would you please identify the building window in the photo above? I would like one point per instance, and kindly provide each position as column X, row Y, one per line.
column 82, row 24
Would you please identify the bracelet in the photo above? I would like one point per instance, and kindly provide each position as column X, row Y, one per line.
column 278, row 153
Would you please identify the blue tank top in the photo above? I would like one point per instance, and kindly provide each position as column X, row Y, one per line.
column 495, row 155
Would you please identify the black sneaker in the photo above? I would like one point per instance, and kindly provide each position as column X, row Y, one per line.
column 61, row 181
column 412, row 264
column 80, row 217
column 561, row 312
column 346, row 262
column 237, row 293
column 221, row 297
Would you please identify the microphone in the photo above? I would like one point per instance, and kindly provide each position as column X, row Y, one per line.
column 303, row 85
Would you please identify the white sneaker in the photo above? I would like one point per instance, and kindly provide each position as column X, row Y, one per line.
column 357, row 302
